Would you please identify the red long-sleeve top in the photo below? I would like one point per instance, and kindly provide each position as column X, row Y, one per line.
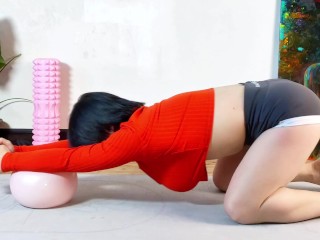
column 168, row 140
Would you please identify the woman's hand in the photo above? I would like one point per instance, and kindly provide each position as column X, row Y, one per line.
column 7, row 143
column 5, row 147
column 3, row 151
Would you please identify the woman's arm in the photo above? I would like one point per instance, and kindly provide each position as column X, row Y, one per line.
column 120, row 148
column 58, row 144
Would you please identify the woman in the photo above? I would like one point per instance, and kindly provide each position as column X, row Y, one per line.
column 261, row 132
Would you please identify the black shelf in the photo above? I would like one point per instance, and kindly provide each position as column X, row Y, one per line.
column 23, row 136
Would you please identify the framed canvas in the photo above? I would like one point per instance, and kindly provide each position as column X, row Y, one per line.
column 300, row 45
column 300, row 42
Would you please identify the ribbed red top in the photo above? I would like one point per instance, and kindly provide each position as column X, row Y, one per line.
column 168, row 140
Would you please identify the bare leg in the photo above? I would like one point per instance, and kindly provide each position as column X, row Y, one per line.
column 310, row 172
column 257, row 192
column 225, row 168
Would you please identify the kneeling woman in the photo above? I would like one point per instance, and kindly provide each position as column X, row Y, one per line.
column 261, row 132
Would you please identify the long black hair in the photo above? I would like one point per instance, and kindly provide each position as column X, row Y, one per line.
column 96, row 115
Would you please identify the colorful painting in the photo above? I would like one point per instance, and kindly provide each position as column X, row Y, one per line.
column 300, row 45
column 300, row 42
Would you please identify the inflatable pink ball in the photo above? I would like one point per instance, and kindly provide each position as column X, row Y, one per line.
column 43, row 190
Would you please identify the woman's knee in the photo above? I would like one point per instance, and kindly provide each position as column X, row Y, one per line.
column 240, row 210
column 220, row 182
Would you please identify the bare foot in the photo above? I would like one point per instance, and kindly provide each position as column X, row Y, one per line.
column 315, row 169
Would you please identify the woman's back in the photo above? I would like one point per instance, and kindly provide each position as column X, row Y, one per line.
column 228, row 132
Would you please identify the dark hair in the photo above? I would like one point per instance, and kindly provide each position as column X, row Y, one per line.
column 96, row 115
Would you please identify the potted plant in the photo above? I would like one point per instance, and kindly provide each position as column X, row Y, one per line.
column 4, row 63
column 3, row 103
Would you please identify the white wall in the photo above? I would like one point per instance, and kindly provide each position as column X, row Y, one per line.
column 144, row 50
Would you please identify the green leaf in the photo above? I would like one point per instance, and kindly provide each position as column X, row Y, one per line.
column 2, row 66
column 2, row 61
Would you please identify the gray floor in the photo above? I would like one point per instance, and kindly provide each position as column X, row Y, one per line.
column 134, row 207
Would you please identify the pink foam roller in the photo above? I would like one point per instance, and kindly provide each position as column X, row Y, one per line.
column 44, row 190
column 45, row 79
column 46, row 121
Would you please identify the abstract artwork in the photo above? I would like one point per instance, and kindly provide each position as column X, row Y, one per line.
column 300, row 42
column 300, row 45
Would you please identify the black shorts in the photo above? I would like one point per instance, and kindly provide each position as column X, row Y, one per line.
column 275, row 103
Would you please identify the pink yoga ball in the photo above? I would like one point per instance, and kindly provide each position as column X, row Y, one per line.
column 43, row 190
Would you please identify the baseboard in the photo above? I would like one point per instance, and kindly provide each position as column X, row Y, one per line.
column 22, row 136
